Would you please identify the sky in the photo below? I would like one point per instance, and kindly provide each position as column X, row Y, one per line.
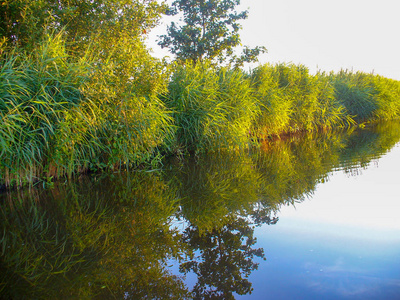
column 359, row 35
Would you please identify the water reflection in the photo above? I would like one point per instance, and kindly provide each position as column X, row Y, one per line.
column 224, row 260
column 114, row 235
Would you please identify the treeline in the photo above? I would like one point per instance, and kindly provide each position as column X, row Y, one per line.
column 89, row 95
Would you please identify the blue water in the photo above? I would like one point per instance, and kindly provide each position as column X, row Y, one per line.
column 332, row 202
column 341, row 243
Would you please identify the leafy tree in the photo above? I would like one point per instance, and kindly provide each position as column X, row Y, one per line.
column 210, row 31
column 24, row 22
column 225, row 261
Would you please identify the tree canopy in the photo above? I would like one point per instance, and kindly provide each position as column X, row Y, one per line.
column 24, row 22
column 210, row 30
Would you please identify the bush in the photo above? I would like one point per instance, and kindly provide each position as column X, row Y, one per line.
column 212, row 109
column 291, row 100
column 61, row 115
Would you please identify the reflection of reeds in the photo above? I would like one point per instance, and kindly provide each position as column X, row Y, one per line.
column 34, row 244
column 113, row 230
column 74, row 239
column 215, row 187
column 286, row 171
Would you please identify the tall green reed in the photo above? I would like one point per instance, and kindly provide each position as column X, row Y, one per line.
column 367, row 97
column 122, row 122
column 110, row 107
column 212, row 108
column 36, row 91
column 291, row 99
column 63, row 114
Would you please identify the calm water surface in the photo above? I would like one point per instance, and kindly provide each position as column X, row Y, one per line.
column 341, row 243
column 310, row 217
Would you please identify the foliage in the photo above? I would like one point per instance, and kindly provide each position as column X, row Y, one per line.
column 212, row 109
column 37, row 91
column 80, row 92
column 62, row 115
column 23, row 22
column 210, row 31
column 291, row 100
column 367, row 96
column 26, row 22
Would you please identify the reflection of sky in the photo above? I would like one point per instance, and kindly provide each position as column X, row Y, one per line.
column 343, row 243
column 371, row 199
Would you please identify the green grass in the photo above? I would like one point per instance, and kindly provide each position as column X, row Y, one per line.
column 212, row 108
column 367, row 97
column 122, row 108
column 62, row 115
column 37, row 91
column 293, row 100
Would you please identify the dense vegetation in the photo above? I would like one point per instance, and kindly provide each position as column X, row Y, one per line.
column 80, row 92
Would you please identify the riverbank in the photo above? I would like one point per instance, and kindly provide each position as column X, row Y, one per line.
column 63, row 115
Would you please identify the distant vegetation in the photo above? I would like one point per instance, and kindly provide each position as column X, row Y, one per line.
column 80, row 92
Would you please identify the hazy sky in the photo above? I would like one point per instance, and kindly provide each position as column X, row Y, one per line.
column 349, row 34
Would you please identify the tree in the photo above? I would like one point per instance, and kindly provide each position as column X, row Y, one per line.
column 225, row 261
column 22, row 21
column 210, row 31
column 25, row 22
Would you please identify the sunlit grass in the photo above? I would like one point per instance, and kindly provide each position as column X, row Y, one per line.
column 37, row 91
column 367, row 97
column 212, row 108
column 293, row 100
column 62, row 115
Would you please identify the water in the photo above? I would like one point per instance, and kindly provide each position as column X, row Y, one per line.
column 310, row 217
column 342, row 243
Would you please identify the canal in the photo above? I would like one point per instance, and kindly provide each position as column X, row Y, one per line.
column 310, row 216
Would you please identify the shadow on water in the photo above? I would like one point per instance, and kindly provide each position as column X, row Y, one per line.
column 115, row 235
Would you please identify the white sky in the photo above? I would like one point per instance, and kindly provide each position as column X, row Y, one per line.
column 326, row 35
column 370, row 200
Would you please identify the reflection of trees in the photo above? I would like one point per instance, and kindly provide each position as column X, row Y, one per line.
column 212, row 188
column 219, row 198
column 225, row 259
column 112, row 237
column 105, row 238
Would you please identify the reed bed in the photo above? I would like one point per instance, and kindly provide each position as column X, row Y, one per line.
column 291, row 100
column 121, row 108
column 367, row 97
column 37, row 91
column 62, row 115
column 212, row 108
